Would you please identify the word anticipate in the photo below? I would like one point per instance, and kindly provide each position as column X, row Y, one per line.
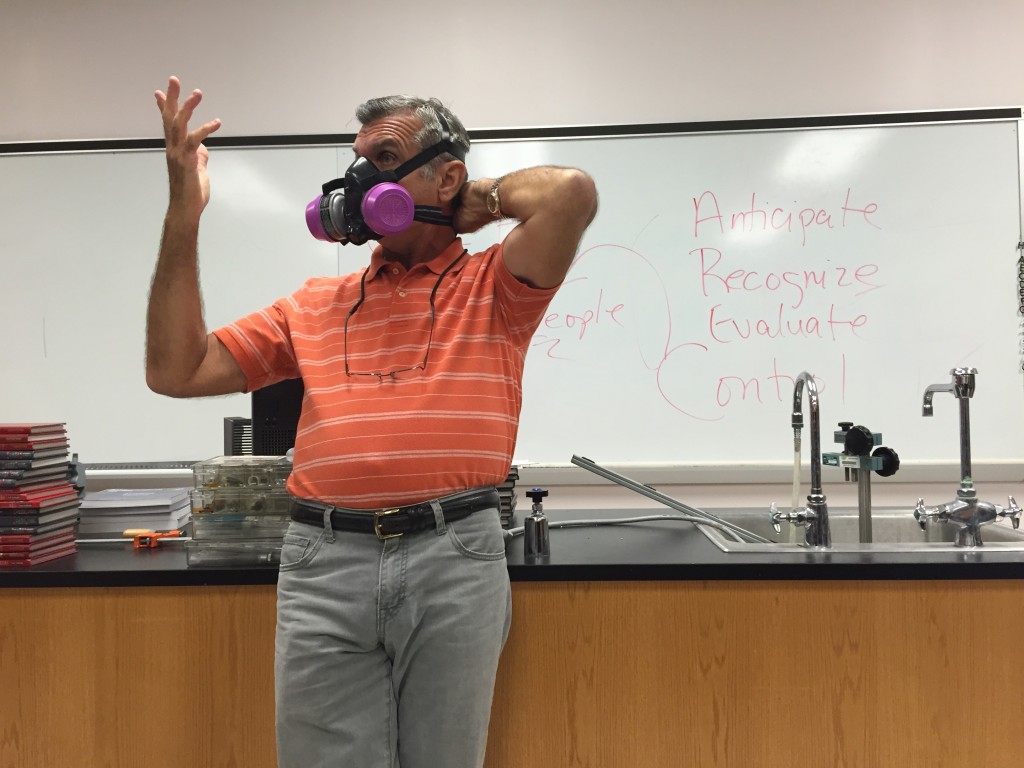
column 760, row 217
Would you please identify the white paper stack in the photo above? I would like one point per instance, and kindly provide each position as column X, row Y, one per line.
column 118, row 509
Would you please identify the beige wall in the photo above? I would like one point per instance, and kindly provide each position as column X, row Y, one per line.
column 86, row 70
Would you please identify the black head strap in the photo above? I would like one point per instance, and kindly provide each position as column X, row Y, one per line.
column 422, row 158
column 330, row 186
column 430, row 214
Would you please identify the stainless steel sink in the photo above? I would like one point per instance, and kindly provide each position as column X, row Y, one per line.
column 893, row 530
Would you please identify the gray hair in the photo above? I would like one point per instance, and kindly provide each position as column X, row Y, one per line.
column 427, row 110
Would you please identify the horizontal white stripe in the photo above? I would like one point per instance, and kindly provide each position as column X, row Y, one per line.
column 275, row 326
column 399, row 308
column 309, row 346
column 407, row 416
column 253, row 350
column 341, row 445
column 417, row 379
column 454, row 350
column 388, row 458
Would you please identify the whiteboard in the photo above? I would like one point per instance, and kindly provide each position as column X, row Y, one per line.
column 720, row 266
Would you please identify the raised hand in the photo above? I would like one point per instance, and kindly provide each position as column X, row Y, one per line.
column 186, row 155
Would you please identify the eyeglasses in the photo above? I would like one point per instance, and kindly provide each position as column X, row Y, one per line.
column 430, row 337
column 393, row 374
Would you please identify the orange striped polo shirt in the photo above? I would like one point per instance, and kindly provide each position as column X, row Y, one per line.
column 369, row 441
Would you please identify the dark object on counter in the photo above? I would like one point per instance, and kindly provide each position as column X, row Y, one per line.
column 275, row 417
column 536, row 542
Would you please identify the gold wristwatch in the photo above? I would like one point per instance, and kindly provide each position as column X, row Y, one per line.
column 494, row 200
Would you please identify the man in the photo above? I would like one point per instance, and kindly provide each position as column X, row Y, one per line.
column 393, row 596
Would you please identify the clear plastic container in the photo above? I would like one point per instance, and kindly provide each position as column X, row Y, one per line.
column 254, row 552
column 240, row 501
column 216, row 527
column 262, row 472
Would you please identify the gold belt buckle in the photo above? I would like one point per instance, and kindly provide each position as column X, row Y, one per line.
column 376, row 523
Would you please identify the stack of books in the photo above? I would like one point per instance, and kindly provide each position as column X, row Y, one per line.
column 38, row 506
column 507, row 493
column 119, row 509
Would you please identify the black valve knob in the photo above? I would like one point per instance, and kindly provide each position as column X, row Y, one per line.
column 845, row 425
column 537, row 494
column 859, row 441
column 890, row 461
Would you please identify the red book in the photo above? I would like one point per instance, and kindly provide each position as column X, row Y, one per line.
column 38, row 498
column 37, row 558
column 19, row 432
column 9, row 444
column 22, row 543
column 59, row 503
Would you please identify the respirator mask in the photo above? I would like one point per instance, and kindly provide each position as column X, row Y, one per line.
column 368, row 204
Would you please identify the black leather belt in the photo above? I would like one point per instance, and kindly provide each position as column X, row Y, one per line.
column 392, row 522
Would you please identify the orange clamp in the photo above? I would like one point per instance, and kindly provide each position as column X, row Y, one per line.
column 151, row 539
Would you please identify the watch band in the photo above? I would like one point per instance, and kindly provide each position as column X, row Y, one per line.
column 494, row 199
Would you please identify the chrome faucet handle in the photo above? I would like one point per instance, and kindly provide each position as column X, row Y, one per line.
column 925, row 514
column 1012, row 511
column 800, row 516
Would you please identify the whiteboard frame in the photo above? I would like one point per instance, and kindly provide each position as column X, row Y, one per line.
column 718, row 473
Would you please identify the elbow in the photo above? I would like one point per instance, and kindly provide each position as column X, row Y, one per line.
column 158, row 385
column 162, row 384
column 580, row 194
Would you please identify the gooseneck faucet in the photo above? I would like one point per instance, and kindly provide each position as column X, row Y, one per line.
column 962, row 387
column 965, row 511
column 815, row 514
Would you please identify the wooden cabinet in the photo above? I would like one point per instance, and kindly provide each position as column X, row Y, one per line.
column 596, row 674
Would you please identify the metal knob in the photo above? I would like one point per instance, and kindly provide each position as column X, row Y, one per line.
column 924, row 514
column 800, row 516
column 1012, row 511
column 963, row 382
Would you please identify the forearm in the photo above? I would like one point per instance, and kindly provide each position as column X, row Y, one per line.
column 566, row 194
column 176, row 337
column 554, row 207
column 182, row 360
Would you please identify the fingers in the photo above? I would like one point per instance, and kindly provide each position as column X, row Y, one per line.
column 179, row 120
column 173, row 89
column 163, row 100
column 198, row 136
column 176, row 119
column 186, row 110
